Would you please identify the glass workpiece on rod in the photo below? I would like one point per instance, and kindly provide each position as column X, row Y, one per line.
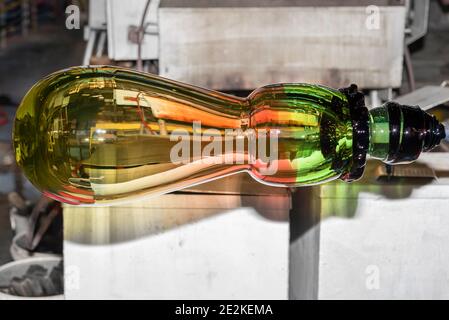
column 98, row 135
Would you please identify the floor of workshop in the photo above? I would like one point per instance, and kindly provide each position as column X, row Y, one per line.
column 26, row 60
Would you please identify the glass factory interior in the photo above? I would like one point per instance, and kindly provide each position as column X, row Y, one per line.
column 232, row 237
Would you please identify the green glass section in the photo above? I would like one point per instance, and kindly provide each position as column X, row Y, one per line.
column 102, row 134
column 316, row 131
column 379, row 128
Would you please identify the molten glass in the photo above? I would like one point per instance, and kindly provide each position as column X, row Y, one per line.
column 92, row 135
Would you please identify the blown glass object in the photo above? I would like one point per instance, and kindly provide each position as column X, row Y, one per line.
column 93, row 135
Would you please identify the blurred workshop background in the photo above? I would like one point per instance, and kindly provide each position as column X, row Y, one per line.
column 384, row 236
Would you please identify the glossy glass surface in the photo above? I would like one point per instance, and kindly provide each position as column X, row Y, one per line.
column 379, row 128
column 96, row 135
